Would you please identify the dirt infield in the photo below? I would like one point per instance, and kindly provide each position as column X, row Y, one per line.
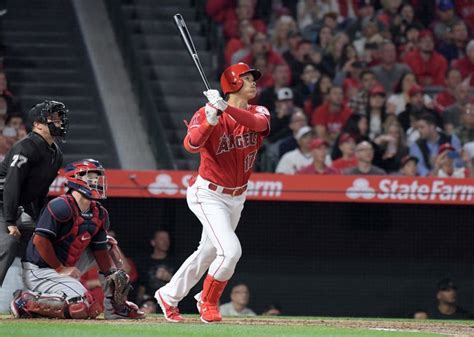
column 445, row 328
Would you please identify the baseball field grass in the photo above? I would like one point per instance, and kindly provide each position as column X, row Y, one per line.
column 155, row 325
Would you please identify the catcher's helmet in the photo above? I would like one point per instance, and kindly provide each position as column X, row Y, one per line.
column 80, row 177
column 43, row 113
column 230, row 78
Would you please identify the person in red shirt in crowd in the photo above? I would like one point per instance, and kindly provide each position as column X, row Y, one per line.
column 428, row 65
column 237, row 48
column 230, row 16
column 466, row 64
column 446, row 97
column 261, row 47
column 319, row 152
column 329, row 118
column 346, row 144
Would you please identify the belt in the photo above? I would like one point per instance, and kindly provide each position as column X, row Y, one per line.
column 231, row 191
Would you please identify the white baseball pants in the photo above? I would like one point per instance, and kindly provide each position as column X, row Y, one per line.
column 219, row 249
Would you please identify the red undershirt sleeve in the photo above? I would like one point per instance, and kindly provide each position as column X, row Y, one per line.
column 104, row 262
column 254, row 121
column 46, row 251
column 197, row 136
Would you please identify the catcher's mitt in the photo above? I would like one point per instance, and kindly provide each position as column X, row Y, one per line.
column 118, row 284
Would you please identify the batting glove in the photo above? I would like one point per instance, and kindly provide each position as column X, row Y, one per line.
column 215, row 99
column 211, row 114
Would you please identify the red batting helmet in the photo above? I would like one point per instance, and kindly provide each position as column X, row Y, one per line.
column 230, row 78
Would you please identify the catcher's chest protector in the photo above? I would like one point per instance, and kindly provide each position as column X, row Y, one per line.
column 81, row 230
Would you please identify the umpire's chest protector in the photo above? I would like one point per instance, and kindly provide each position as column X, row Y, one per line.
column 76, row 229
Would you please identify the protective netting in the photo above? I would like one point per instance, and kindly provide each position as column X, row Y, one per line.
column 324, row 258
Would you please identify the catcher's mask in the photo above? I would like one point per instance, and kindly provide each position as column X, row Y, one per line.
column 50, row 113
column 87, row 177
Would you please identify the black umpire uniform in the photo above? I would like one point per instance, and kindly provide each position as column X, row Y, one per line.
column 26, row 173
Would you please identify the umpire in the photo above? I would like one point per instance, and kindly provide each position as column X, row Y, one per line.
column 28, row 169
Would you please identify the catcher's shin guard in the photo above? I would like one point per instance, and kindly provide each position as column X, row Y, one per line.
column 208, row 305
column 27, row 304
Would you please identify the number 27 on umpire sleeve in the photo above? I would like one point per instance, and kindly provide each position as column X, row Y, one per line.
column 18, row 160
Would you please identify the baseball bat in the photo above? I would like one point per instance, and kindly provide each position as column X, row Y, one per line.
column 188, row 41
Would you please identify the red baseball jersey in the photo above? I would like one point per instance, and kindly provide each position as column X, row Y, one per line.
column 228, row 155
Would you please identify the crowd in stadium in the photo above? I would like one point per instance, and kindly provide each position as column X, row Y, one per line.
column 12, row 127
column 359, row 86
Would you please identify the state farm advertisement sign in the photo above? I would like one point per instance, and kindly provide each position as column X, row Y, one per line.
column 276, row 187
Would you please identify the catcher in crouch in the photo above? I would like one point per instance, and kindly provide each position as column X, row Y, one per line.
column 69, row 238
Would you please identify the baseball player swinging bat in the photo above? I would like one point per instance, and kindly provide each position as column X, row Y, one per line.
column 188, row 41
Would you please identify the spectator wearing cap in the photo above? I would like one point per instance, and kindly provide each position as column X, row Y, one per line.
column 444, row 163
column 300, row 157
column 281, row 79
column 346, row 145
column 464, row 104
column 329, row 118
column 447, row 97
column 280, row 117
column 428, row 65
column 389, row 71
column 359, row 102
column 407, row 166
column 446, row 307
column 375, row 111
column 391, row 146
column 415, row 108
column 427, row 146
column 466, row 64
column 442, row 27
column 297, row 121
column 364, row 153
column 319, row 152
column 456, row 46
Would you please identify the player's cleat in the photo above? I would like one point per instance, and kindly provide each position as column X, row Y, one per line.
column 17, row 306
column 171, row 313
column 209, row 312
column 128, row 310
